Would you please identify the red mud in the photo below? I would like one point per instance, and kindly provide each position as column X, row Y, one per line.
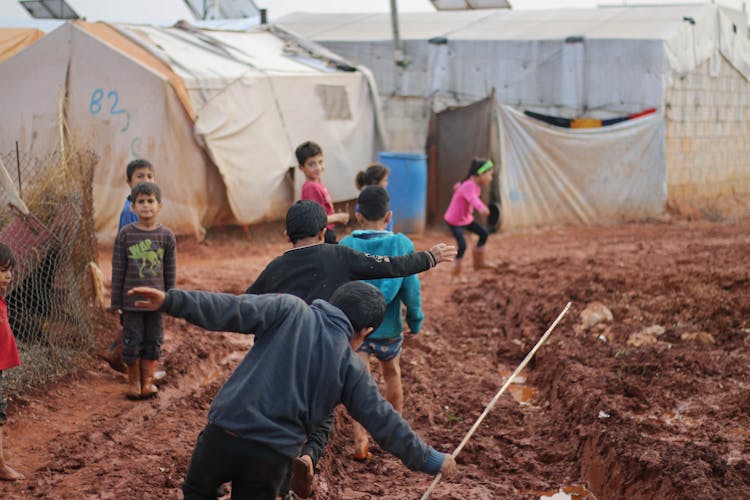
column 669, row 419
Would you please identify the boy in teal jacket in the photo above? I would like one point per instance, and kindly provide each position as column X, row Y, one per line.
column 386, row 342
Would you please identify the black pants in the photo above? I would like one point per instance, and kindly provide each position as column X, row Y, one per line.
column 142, row 335
column 330, row 236
column 255, row 470
column 474, row 227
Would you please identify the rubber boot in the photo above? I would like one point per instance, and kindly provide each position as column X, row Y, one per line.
column 113, row 355
column 479, row 259
column 456, row 273
column 134, row 380
column 148, row 367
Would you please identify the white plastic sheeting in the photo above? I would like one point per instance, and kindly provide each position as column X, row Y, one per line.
column 552, row 175
column 177, row 96
column 606, row 61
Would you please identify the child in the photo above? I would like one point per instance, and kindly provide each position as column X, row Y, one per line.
column 385, row 342
column 459, row 214
column 376, row 174
column 301, row 366
column 136, row 172
column 144, row 255
column 8, row 352
column 312, row 270
column 310, row 159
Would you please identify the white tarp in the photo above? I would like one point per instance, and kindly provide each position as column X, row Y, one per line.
column 253, row 107
column 116, row 107
column 218, row 114
column 553, row 175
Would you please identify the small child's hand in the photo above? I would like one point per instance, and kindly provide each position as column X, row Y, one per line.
column 485, row 212
column 443, row 252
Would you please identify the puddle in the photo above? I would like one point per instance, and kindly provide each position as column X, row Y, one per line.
column 521, row 393
column 573, row 492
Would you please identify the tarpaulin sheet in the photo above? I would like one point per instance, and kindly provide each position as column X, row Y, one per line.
column 552, row 175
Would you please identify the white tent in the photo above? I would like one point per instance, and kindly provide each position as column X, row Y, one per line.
column 218, row 113
column 690, row 62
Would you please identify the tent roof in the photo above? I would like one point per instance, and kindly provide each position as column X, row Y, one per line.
column 643, row 22
column 13, row 40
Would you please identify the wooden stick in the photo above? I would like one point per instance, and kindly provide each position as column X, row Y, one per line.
column 497, row 396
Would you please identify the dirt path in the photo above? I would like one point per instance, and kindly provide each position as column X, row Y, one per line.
column 666, row 419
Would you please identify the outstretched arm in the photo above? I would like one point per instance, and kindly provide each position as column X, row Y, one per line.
column 223, row 312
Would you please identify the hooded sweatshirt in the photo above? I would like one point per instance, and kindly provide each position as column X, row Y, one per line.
column 300, row 367
column 465, row 199
column 396, row 291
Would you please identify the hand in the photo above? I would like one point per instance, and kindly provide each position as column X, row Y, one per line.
column 443, row 252
column 485, row 212
column 339, row 218
column 151, row 298
column 449, row 466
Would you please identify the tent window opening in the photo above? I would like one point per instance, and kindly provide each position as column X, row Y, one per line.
column 335, row 102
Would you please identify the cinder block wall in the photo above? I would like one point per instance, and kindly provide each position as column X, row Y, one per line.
column 708, row 143
column 406, row 123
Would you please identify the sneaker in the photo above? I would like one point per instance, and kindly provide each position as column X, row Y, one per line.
column 303, row 473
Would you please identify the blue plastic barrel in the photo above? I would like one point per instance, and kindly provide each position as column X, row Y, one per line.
column 407, row 187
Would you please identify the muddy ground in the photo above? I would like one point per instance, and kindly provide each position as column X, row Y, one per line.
column 654, row 403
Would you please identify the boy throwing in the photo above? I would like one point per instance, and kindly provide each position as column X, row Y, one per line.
column 260, row 417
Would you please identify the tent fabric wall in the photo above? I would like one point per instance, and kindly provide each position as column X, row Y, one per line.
column 13, row 40
column 116, row 107
column 217, row 113
column 553, row 175
column 254, row 107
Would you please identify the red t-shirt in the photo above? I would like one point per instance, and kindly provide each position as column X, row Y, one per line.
column 8, row 350
column 317, row 192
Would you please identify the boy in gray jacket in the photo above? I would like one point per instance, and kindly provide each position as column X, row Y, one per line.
column 300, row 367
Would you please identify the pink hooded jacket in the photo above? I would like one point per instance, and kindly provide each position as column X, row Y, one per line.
column 464, row 200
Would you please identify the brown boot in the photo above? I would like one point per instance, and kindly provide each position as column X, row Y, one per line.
column 479, row 259
column 113, row 354
column 134, row 380
column 148, row 367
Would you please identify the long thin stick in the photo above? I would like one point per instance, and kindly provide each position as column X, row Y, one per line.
column 497, row 396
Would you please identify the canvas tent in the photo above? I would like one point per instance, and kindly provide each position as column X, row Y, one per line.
column 218, row 113
column 12, row 40
column 690, row 62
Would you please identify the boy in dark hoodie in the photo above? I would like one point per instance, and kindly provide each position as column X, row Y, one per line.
column 302, row 364
column 386, row 342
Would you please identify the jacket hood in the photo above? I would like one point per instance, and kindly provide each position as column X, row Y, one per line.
column 334, row 315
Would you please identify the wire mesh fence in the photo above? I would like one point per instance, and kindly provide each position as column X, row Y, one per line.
column 46, row 218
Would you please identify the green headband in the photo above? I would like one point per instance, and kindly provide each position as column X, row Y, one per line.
column 487, row 165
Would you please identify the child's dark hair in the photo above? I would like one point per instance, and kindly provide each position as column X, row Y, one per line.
column 361, row 302
column 7, row 259
column 147, row 188
column 135, row 165
column 372, row 175
column 373, row 203
column 304, row 219
column 476, row 165
column 306, row 150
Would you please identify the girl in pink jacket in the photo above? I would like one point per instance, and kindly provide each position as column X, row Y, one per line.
column 459, row 215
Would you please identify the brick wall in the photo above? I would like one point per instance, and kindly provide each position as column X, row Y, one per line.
column 708, row 142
